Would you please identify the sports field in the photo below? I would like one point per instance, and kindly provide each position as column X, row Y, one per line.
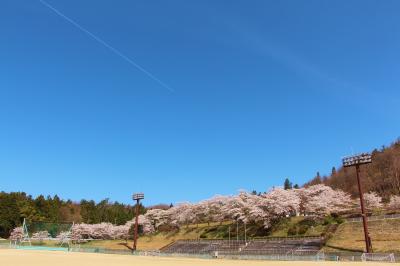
column 51, row 258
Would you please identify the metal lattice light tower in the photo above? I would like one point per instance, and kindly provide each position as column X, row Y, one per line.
column 357, row 160
column 26, row 238
column 137, row 197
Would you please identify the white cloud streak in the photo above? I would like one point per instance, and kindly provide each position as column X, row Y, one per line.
column 110, row 47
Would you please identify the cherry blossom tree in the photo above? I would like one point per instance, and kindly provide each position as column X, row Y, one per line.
column 17, row 235
column 243, row 207
column 143, row 221
column 183, row 214
column 64, row 237
column 246, row 208
column 80, row 232
column 234, row 207
column 147, row 227
column 40, row 236
column 320, row 199
column 372, row 200
column 104, row 231
column 159, row 217
column 394, row 202
column 282, row 202
column 215, row 206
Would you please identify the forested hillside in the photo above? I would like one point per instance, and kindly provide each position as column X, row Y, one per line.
column 381, row 176
column 16, row 206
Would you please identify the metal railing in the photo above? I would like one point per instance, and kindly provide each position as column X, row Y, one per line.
column 374, row 218
column 278, row 256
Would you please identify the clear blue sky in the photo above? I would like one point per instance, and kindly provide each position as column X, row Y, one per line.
column 262, row 90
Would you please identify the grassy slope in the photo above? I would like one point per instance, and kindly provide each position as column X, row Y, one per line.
column 151, row 242
column 385, row 236
column 281, row 229
column 212, row 231
column 349, row 236
column 158, row 240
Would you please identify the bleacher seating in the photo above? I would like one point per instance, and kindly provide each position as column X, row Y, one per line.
column 282, row 246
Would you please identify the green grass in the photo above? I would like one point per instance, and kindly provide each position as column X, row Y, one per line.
column 214, row 231
column 349, row 236
column 385, row 235
column 281, row 228
column 300, row 226
column 157, row 240
column 200, row 231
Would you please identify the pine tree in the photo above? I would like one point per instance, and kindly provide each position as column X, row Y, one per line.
column 9, row 214
column 287, row 184
column 318, row 179
column 333, row 171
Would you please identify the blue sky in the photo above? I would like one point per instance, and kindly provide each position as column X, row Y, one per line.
column 261, row 91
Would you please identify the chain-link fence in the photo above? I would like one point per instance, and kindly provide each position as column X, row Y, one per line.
column 277, row 256
column 374, row 218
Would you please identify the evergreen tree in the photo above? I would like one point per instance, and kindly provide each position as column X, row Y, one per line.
column 9, row 214
column 287, row 184
column 333, row 171
column 317, row 179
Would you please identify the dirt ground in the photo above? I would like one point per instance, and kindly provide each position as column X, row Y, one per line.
column 11, row 257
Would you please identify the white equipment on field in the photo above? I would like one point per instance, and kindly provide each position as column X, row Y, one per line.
column 378, row 257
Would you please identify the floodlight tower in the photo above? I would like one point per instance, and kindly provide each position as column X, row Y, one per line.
column 137, row 197
column 357, row 160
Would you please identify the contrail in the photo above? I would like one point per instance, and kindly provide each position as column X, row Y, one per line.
column 101, row 41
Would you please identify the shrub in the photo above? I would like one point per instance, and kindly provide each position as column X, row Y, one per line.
column 298, row 229
column 310, row 221
column 292, row 231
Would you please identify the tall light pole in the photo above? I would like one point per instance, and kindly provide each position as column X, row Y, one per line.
column 245, row 235
column 357, row 160
column 137, row 197
column 237, row 231
column 229, row 236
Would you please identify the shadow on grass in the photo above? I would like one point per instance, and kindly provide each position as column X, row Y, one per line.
column 344, row 249
column 126, row 245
